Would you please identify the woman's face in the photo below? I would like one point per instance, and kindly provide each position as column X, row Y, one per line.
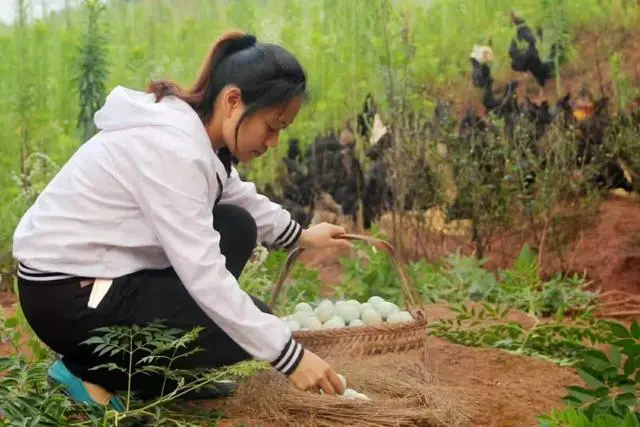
column 258, row 132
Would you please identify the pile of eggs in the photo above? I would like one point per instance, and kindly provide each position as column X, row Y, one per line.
column 342, row 314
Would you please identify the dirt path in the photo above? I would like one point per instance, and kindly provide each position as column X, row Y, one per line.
column 501, row 389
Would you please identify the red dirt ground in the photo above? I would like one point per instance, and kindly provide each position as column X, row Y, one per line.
column 502, row 389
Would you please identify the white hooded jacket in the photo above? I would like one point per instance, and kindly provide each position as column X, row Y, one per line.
column 139, row 195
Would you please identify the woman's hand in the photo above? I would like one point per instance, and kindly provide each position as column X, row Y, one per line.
column 324, row 235
column 312, row 372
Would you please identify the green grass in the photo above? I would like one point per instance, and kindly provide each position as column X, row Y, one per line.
column 342, row 44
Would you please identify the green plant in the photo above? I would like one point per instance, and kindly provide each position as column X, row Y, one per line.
column 487, row 325
column 521, row 287
column 27, row 398
column 93, row 68
column 462, row 278
column 370, row 272
column 261, row 273
column 611, row 379
column 572, row 417
column 466, row 273
column 350, row 50
column 611, row 383
column 554, row 13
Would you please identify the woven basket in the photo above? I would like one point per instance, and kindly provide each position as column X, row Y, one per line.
column 368, row 339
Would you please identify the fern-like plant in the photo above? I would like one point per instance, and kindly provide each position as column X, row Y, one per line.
column 93, row 68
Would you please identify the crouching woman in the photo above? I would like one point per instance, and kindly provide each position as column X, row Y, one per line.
column 149, row 220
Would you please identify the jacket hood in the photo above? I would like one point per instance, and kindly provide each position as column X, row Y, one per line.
column 126, row 108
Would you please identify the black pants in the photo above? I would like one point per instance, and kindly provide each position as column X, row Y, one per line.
column 59, row 316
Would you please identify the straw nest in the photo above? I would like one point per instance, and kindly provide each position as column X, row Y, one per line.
column 402, row 393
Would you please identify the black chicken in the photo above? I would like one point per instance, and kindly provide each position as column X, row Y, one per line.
column 471, row 127
column 480, row 58
column 505, row 107
column 501, row 106
column 540, row 115
column 366, row 117
column 293, row 149
column 320, row 158
column 527, row 59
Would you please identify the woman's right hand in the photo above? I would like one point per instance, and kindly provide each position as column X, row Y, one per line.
column 314, row 372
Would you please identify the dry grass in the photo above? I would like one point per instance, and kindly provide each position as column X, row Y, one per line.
column 402, row 393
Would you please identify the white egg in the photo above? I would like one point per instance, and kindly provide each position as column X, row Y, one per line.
column 371, row 317
column 293, row 325
column 311, row 322
column 350, row 394
column 354, row 303
column 299, row 316
column 396, row 318
column 340, row 303
column 375, row 300
column 348, row 312
column 366, row 306
column 406, row 316
column 325, row 311
column 356, row 322
column 334, row 322
column 387, row 308
column 343, row 380
column 304, row 307
column 326, row 302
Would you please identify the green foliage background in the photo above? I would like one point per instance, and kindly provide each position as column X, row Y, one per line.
column 348, row 47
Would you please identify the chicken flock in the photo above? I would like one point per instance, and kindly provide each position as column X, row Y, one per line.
column 328, row 176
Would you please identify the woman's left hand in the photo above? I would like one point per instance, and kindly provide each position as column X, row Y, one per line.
column 324, row 235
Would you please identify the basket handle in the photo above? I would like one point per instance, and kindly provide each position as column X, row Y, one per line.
column 407, row 286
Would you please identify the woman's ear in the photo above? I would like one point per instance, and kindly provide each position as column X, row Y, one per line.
column 231, row 100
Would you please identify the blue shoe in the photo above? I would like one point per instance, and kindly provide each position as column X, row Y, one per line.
column 74, row 388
